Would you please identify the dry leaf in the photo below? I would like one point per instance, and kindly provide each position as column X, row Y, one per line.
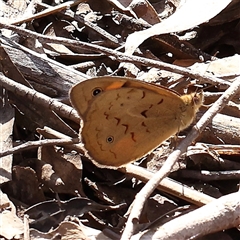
column 189, row 14
column 11, row 226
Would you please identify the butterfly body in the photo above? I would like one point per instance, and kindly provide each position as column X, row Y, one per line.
column 127, row 118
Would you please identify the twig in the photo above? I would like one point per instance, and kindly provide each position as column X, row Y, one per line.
column 21, row 90
column 173, row 157
column 169, row 186
column 121, row 57
column 33, row 144
column 49, row 11
column 26, row 234
column 206, row 176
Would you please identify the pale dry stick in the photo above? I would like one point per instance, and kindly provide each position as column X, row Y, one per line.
column 225, row 149
column 169, row 186
column 221, row 149
column 121, row 57
column 21, row 90
column 173, row 157
column 48, row 11
column 220, row 214
column 26, row 234
column 34, row 144
column 206, row 176
column 48, row 132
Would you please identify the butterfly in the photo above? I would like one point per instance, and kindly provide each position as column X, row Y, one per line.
column 124, row 118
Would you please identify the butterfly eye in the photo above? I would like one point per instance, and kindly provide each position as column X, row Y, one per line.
column 110, row 139
column 96, row 91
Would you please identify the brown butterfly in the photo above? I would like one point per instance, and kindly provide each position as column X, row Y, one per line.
column 124, row 118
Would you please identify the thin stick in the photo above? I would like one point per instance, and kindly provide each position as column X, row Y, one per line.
column 169, row 186
column 21, row 90
column 26, row 234
column 121, row 57
column 48, row 11
column 34, row 144
column 173, row 157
